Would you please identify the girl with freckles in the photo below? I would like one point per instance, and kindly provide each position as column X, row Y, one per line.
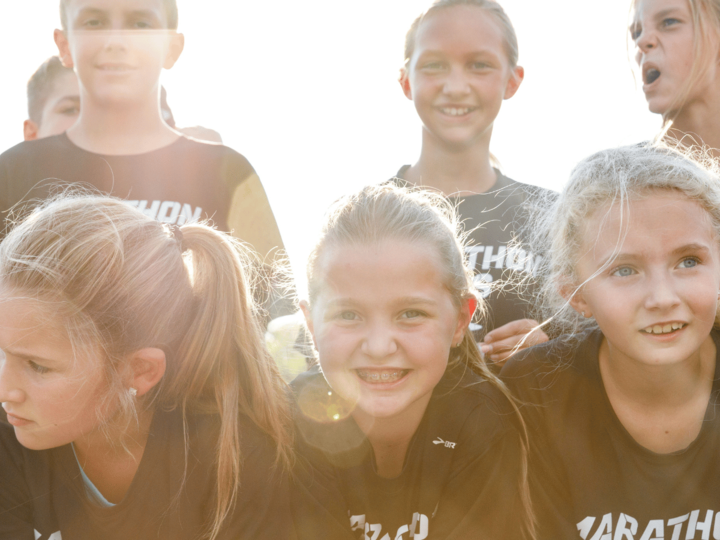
column 140, row 397
column 403, row 431
column 623, row 410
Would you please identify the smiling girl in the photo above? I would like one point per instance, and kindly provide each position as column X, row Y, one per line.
column 460, row 64
column 404, row 431
column 142, row 401
column 676, row 48
column 626, row 429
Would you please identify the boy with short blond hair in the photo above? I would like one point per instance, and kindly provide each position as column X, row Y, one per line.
column 53, row 100
column 120, row 143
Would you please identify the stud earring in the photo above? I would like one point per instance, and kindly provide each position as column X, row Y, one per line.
column 132, row 392
column 582, row 313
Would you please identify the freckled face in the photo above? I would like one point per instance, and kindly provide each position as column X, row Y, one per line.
column 656, row 301
column 52, row 397
column 383, row 325
column 459, row 75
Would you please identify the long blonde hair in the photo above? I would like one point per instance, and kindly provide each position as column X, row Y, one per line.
column 121, row 281
column 377, row 213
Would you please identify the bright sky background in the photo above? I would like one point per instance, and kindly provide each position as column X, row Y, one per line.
column 308, row 91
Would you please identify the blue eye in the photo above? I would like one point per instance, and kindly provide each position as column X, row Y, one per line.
column 37, row 367
column 635, row 32
column 623, row 271
column 348, row 316
column 479, row 65
column 669, row 22
column 690, row 262
column 412, row 314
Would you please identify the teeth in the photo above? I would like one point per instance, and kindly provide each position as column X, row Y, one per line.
column 381, row 376
column 665, row 329
column 453, row 111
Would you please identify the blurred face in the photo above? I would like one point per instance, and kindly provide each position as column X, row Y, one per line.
column 459, row 75
column 383, row 325
column 656, row 301
column 62, row 106
column 118, row 47
column 664, row 34
column 51, row 396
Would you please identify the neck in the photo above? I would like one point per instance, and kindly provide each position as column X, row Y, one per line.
column 454, row 169
column 697, row 124
column 131, row 128
column 390, row 437
column 658, row 386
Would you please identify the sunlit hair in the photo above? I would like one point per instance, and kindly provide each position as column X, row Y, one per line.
column 609, row 180
column 41, row 85
column 419, row 216
column 121, row 281
column 493, row 8
column 171, row 12
column 706, row 39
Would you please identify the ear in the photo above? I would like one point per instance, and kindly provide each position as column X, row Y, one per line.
column 177, row 44
column 30, row 130
column 467, row 310
column 307, row 313
column 404, row 81
column 147, row 367
column 516, row 78
column 63, row 48
column 574, row 296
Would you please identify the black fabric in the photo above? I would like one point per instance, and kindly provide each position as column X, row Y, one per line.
column 590, row 478
column 503, row 266
column 42, row 492
column 459, row 481
column 182, row 182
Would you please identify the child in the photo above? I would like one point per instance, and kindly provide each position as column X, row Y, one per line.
column 460, row 64
column 143, row 401
column 120, row 143
column 676, row 44
column 403, row 429
column 53, row 100
column 623, row 412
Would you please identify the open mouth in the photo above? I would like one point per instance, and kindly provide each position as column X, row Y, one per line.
column 381, row 376
column 651, row 75
column 456, row 111
column 664, row 328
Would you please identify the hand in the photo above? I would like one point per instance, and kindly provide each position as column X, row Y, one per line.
column 503, row 342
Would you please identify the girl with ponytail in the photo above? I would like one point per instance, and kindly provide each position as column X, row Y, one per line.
column 141, row 400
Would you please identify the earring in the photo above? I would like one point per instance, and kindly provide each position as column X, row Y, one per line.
column 132, row 392
column 582, row 313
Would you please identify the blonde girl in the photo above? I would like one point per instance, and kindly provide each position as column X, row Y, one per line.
column 461, row 62
column 677, row 44
column 403, row 430
column 141, row 400
column 623, row 410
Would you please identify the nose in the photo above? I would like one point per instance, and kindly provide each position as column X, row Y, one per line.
column 456, row 83
column 379, row 341
column 10, row 390
column 115, row 39
column 646, row 40
column 661, row 294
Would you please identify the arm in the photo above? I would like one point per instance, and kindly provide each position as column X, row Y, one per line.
column 251, row 219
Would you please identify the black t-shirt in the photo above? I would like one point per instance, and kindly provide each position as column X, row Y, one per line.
column 43, row 496
column 459, row 480
column 183, row 182
column 590, row 478
column 495, row 221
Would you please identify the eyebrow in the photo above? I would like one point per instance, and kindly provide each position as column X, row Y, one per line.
column 687, row 248
column 71, row 97
column 662, row 13
column 31, row 357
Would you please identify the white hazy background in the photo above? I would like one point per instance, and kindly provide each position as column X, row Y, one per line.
column 308, row 91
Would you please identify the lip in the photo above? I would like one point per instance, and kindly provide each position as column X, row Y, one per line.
column 647, row 66
column 17, row 421
column 382, row 385
column 114, row 67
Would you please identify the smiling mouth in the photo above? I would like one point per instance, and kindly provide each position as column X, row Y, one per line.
column 651, row 75
column 381, row 376
column 457, row 111
column 664, row 328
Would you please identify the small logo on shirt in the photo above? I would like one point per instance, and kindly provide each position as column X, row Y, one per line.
column 447, row 444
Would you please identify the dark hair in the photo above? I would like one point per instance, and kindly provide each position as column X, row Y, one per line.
column 171, row 11
column 511, row 43
column 41, row 84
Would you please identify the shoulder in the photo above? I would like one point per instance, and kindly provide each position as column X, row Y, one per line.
column 507, row 186
column 26, row 151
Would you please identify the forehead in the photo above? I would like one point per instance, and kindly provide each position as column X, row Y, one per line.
column 383, row 271
column 459, row 29
column 650, row 8
column 29, row 323
column 73, row 8
column 661, row 221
